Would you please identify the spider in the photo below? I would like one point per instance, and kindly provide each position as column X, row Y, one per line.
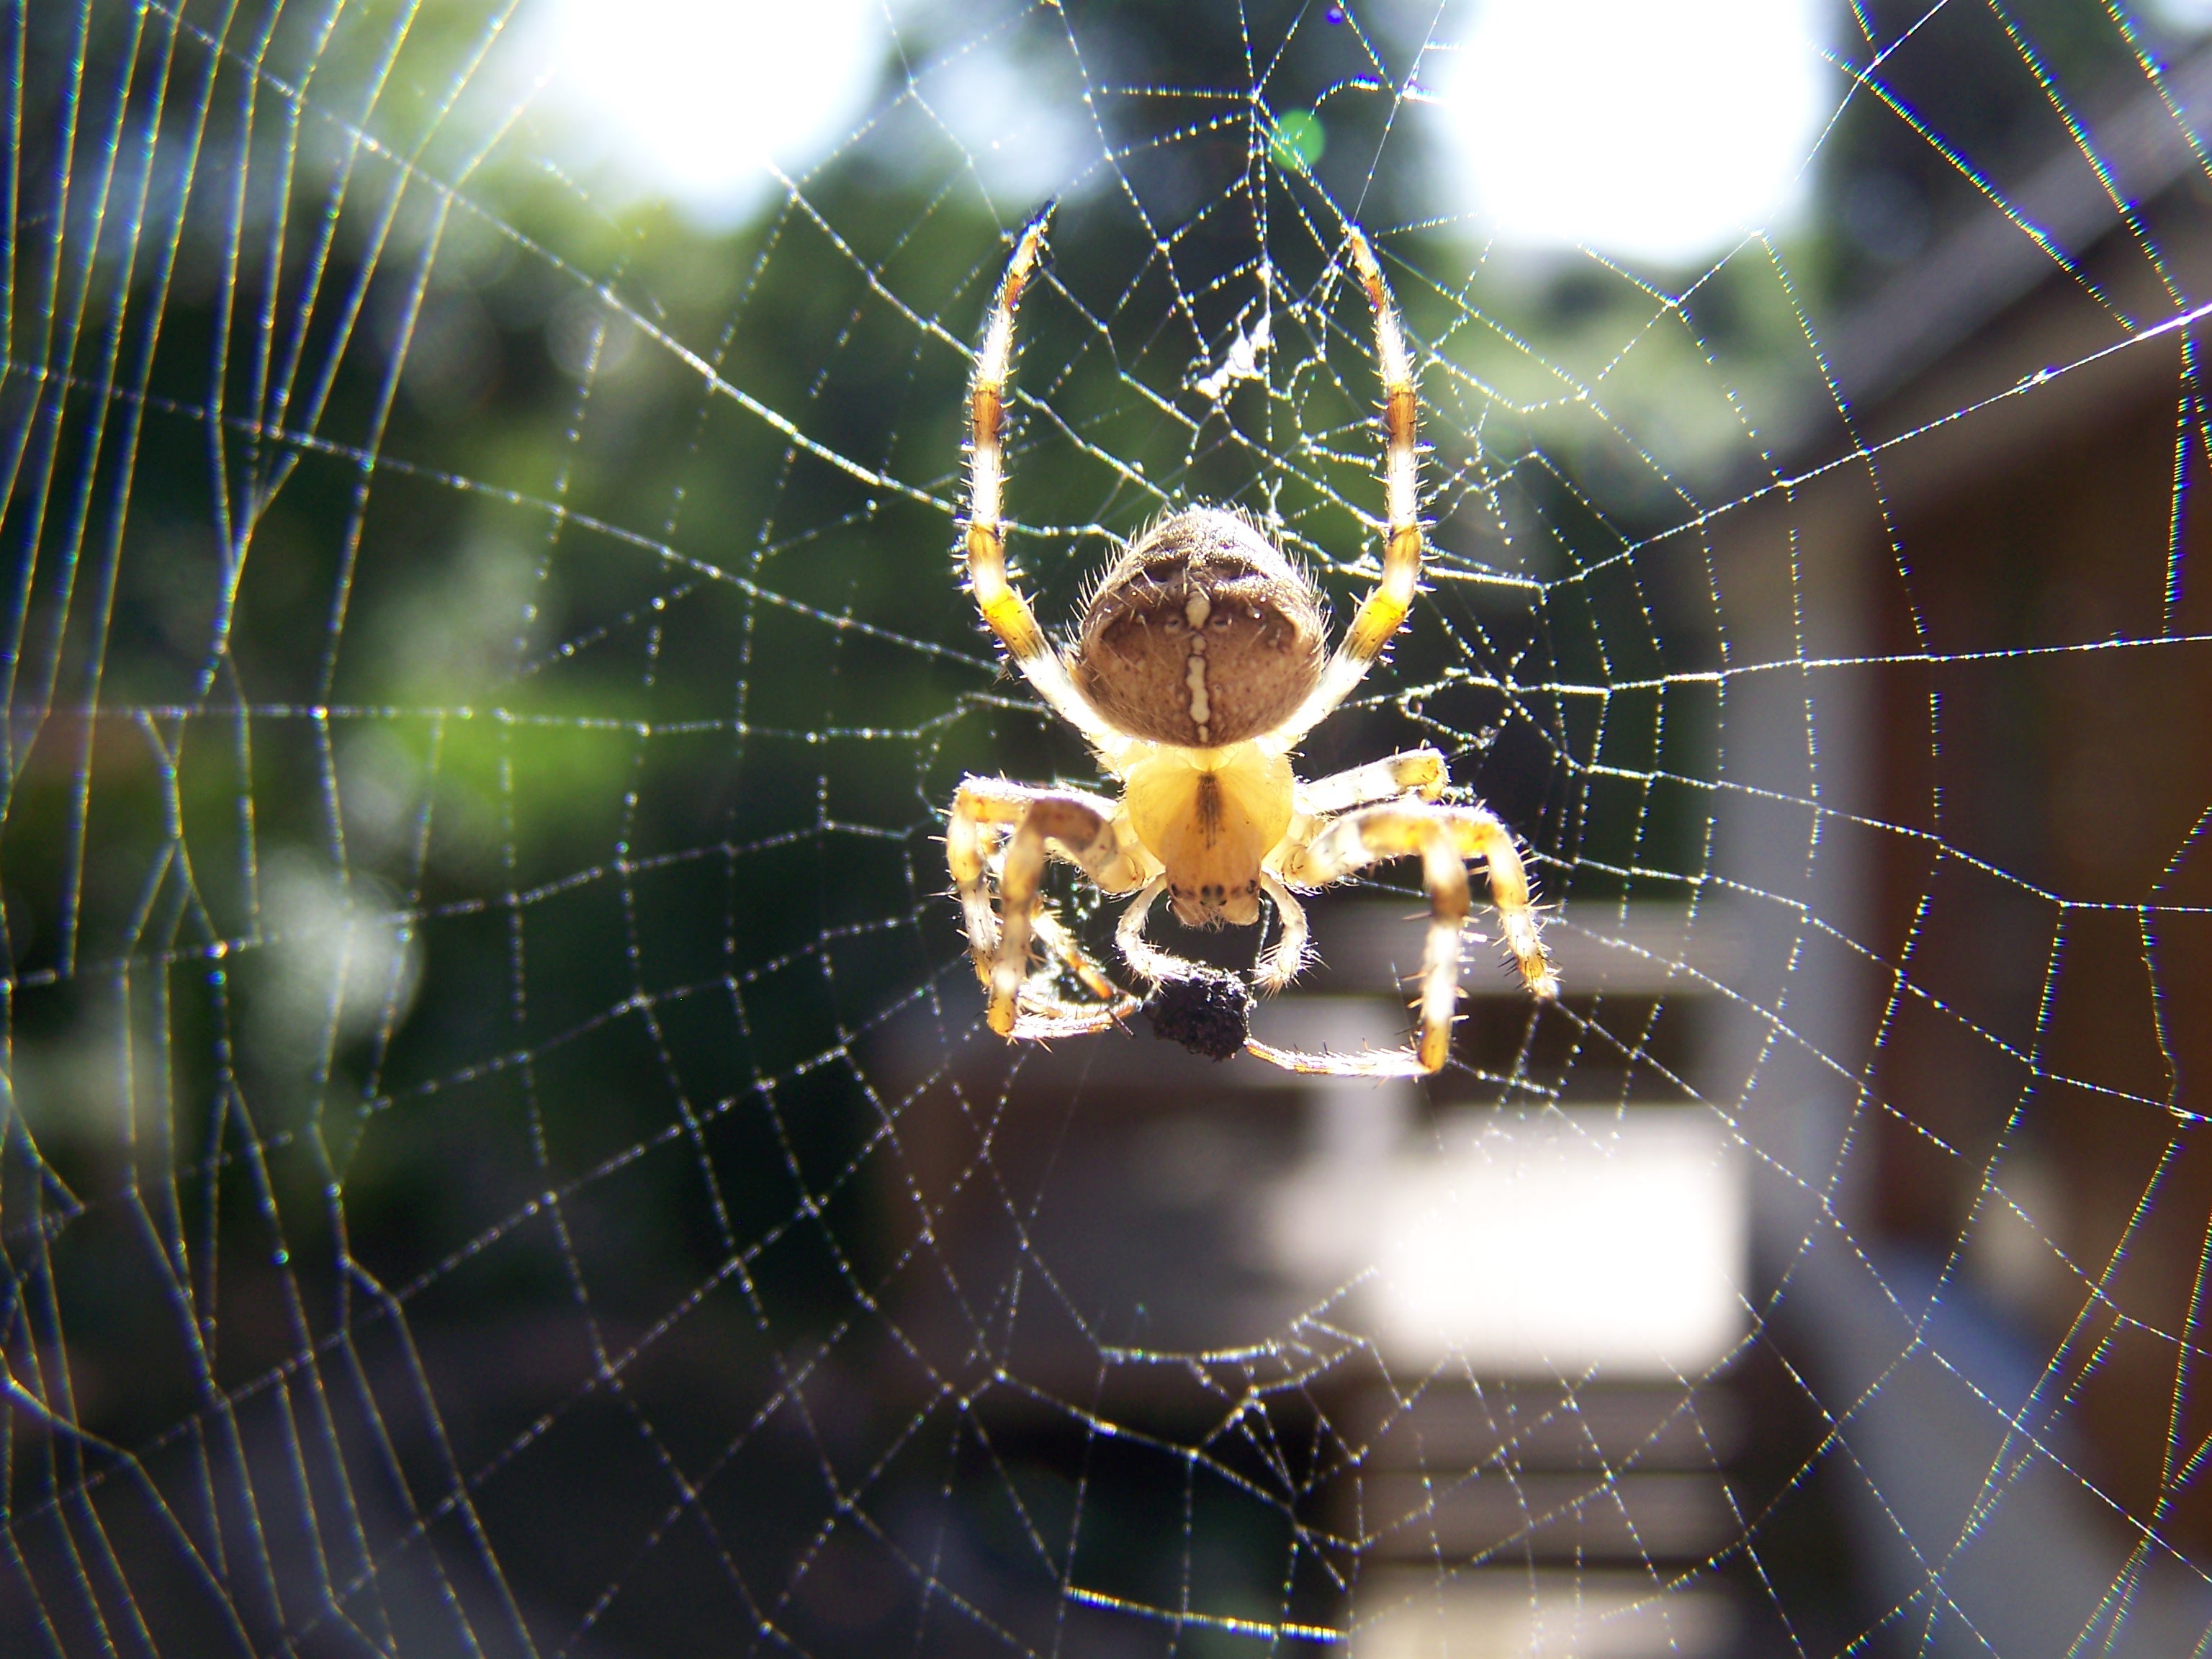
column 1198, row 664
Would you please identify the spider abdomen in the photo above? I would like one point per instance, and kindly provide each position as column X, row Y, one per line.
column 1203, row 634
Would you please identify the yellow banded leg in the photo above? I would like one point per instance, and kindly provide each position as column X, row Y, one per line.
column 1384, row 611
column 1077, row 826
column 1416, row 772
column 985, row 812
column 1004, row 609
column 1380, row 833
column 1444, row 837
column 1063, row 946
column 1481, row 836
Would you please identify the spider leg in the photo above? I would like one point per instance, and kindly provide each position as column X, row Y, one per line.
column 1145, row 959
column 1287, row 958
column 1382, row 610
column 1058, row 1019
column 1376, row 1062
column 1079, row 827
column 1044, row 1014
column 1063, row 946
column 985, row 813
column 1416, row 772
column 1278, row 967
column 1002, row 604
column 1446, row 837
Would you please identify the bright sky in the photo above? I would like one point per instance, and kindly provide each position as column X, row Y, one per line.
column 697, row 96
column 1655, row 131
column 1658, row 131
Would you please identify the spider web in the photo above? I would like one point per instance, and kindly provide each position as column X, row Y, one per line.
column 500, row 1152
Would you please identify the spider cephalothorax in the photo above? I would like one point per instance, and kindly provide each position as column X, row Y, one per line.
column 1200, row 662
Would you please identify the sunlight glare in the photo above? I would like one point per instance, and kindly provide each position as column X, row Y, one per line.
column 1645, row 130
column 698, row 97
column 1589, row 1238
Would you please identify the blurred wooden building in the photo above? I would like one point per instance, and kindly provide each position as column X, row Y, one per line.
column 1986, row 596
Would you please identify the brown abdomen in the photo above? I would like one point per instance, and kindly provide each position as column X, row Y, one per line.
column 1202, row 634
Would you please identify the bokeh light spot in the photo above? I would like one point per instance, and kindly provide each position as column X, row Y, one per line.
column 1297, row 140
column 1659, row 132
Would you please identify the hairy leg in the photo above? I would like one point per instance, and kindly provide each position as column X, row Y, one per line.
column 1277, row 969
column 1445, row 838
column 1287, row 958
column 1002, row 604
column 1044, row 1014
column 1078, row 826
column 1145, row 959
column 1063, row 946
column 1384, row 610
column 1478, row 833
column 1416, row 772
